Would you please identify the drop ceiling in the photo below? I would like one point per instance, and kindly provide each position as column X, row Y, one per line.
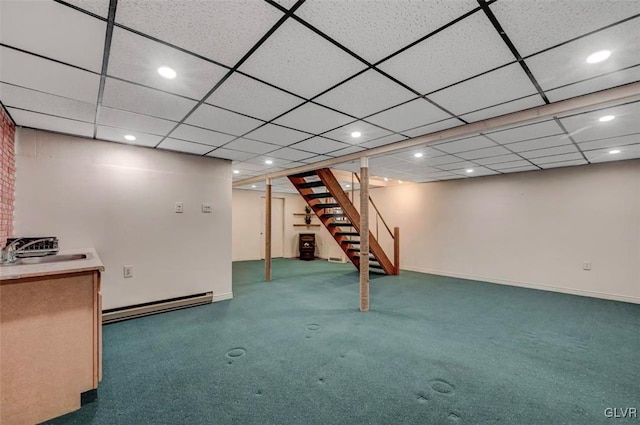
column 290, row 81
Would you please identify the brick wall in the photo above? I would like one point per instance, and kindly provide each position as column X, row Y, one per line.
column 7, row 175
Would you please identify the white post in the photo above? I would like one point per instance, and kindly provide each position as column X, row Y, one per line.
column 364, row 234
column 267, row 233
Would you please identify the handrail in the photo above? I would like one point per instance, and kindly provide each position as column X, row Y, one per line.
column 377, row 211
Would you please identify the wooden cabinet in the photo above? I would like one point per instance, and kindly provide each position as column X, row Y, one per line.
column 51, row 345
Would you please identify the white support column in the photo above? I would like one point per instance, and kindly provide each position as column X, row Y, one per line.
column 364, row 234
column 267, row 233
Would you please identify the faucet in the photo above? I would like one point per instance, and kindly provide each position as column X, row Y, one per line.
column 10, row 252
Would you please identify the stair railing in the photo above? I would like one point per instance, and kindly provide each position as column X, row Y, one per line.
column 395, row 235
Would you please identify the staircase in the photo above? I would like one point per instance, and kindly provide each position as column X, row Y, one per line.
column 332, row 205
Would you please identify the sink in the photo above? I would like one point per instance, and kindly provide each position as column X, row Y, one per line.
column 51, row 259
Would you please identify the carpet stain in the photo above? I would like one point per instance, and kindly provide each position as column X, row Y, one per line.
column 321, row 380
column 422, row 398
column 313, row 327
column 236, row 352
column 454, row 417
column 259, row 393
column 442, row 387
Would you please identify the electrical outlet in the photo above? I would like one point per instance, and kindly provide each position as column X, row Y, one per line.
column 127, row 271
column 206, row 208
column 179, row 207
column 586, row 265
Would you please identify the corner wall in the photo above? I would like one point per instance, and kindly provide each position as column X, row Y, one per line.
column 120, row 199
column 533, row 229
column 7, row 175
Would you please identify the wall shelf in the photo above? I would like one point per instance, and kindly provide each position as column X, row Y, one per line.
column 306, row 225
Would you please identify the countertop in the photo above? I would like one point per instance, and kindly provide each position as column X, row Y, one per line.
column 19, row 271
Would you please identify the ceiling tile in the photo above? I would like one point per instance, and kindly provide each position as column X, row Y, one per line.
column 221, row 120
column 18, row 97
column 51, row 29
column 533, row 26
column 502, row 85
column 416, row 113
column 35, row 73
column 526, row 132
column 458, row 166
column 382, row 141
column 319, row 145
column 316, row 158
column 559, row 164
column 232, row 154
column 432, row 128
column 567, row 64
column 220, row 30
column 557, row 158
column 248, row 96
column 611, row 142
column 347, row 151
column 291, row 154
column 520, row 169
column 146, row 101
column 366, row 94
column 182, row 146
column 604, row 155
column 47, row 122
column 251, row 146
column 200, row 135
column 477, row 171
column 438, row 161
column 512, row 164
column 132, row 121
column 137, row 59
column 246, row 167
column 498, row 159
column 277, row 135
column 467, row 144
column 98, row 7
column 467, row 48
column 366, row 130
column 558, row 150
column 595, row 84
column 484, row 153
column 116, row 135
column 375, row 29
column 313, row 118
column 504, row 108
column 541, row 143
column 300, row 61
column 586, row 127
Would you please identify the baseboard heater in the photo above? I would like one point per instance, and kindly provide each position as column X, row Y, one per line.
column 155, row 307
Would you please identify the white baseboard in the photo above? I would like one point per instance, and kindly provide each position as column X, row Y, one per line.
column 530, row 285
column 222, row 297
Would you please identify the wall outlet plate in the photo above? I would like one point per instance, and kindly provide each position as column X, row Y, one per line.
column 179, row 207
column 127, row 271
column 206, row 208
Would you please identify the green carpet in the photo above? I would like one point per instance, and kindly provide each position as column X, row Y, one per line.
column 432, row 350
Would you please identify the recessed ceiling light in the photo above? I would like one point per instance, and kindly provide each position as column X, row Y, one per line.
column 348, row 185
column 130, row 137
column 400, row 181
column 614, row 151
column 418, row 154
column 253, row 186
column 607, row 118
column 236, row 171
column 386, row 179
column 469, row 170
column 600, row 56
column 268, row 162
column 356, row 134
column 167, row 72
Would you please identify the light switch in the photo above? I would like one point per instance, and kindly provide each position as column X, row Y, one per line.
column 206, row 208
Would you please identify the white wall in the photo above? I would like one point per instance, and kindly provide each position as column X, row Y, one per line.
column 247, row 226
column 120, row 200
column 531, row 229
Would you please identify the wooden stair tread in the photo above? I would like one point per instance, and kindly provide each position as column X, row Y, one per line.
column 327, row 205
column 309, row 185
column 302, row 175
column 318, row 195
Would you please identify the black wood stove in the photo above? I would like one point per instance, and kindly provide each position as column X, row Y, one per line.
column 307, row 245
